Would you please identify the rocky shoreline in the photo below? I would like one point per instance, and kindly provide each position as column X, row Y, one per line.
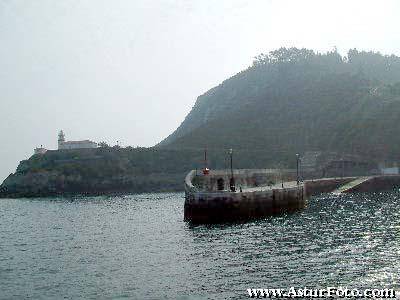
column 92, row 172
column 50, row 184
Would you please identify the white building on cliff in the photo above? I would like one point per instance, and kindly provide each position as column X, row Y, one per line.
column 64, row 145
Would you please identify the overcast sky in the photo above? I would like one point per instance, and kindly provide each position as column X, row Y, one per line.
column 130, row 70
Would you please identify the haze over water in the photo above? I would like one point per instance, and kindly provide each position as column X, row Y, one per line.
column 139, row 247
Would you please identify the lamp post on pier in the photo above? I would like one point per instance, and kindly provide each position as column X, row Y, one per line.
column 206, row 170
column 232, row 180
column 297, row 168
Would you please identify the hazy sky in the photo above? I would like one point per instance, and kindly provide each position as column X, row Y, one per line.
column 131, row 70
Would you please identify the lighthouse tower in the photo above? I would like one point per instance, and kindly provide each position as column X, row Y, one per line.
column 61, row 139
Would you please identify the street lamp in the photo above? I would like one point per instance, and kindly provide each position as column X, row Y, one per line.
column 232, row 180
column 297, row 168
column 206, row 170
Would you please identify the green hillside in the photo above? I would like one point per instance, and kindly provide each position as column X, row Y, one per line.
column 294, row 100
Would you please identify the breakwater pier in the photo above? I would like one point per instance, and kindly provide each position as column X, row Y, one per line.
column 209, row 198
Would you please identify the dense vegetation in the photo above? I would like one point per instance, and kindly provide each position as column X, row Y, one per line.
column 96, row 171
column 294, row 100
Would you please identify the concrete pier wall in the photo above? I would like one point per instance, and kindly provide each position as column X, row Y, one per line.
column 374, row 184
column 324, row 185
column 222, row 206
column 208, row 205
column 377, row 184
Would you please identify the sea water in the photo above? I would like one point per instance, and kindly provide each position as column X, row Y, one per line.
column 139, row 247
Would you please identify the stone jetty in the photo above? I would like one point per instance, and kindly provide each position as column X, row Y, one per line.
column 209, row 198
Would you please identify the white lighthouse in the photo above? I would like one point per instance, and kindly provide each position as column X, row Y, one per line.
column 61, row 139
column 64, row 145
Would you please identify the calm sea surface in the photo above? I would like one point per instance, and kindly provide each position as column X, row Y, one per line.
column 138, row 247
